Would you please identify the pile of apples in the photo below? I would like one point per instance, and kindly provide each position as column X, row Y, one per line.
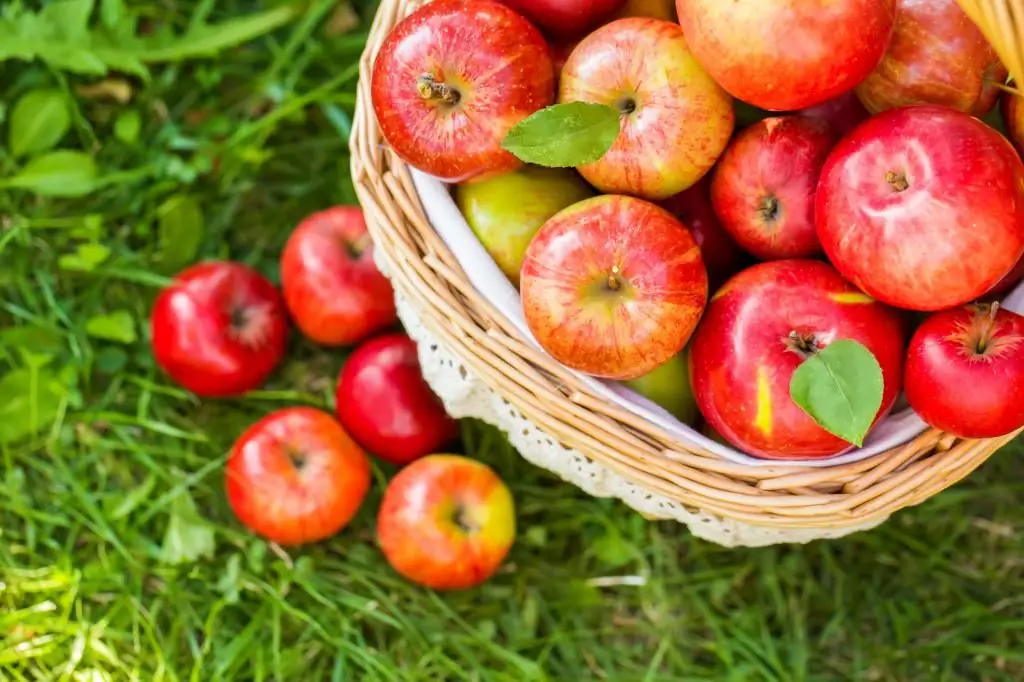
column 778, row 214
column 300, row 474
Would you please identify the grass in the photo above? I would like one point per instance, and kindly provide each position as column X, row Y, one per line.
column 119, row 559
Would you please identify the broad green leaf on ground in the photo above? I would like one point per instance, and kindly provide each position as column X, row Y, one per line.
column 181, row 230
column 841, row 388
column 117, row 326
column 85, row 258
column 61, row 173
column 230, row 582
column 39, row 120
column 188, row 537
column 31, row 402
column 565, row 135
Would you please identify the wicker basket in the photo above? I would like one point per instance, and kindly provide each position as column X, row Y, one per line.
column 785, row 502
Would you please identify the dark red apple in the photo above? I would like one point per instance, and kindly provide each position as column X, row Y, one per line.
column 1008, row 283
column 332, row 287
column 759, row 328
column 723, row 258
column 566, row 18
column 452, row 79
column 784, row 55
column 922, row 207
column 656, row 154
column 965, row 371
column 295, row 477
column 613, row 286
column 763, row 188
column 1012, row 108
column 937, row 56
column 219, row 329
column 387, row 406
column 560, row 52
column 842, row 114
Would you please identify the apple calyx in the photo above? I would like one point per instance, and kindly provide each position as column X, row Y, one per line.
column 250, row 324
column 804, row 344
column 430, row 89
column 614, row 282
column 769, row 209
column 297, row 458
column 356, row 248
column 463, row 520
column 898, row 181
column 626, row 105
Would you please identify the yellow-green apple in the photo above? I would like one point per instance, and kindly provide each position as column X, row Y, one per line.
column 979, row 348
column 507, row 210
column 565, row 18
column 842, row 114
column 763, row 187
column 1011, row 106
column 446, row 522
column 613, row 286
column 937, row 56
column 676, row 120
column 759, row 328
column 922, row 207
column 452, row 79
column 784, row 55
column 655, row 9
column 668, row 385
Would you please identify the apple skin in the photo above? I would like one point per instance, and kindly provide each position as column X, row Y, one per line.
column 387, row 406
column 655, row 9
column 937, row 56
column 1012, row 109
column 668, row 385
column 742, row 357
column 446, row 522
column 296, row 477
column 507, row 210
column 922, row 207
column 842, row 114
column 965, row 371
column 722, row 257
column 655, row 156
column 333, row 289
column 1008, row 283
column 784, row 55
column 613, row 286
column 219, row 329
column 763, row 187
column 452, row 79
column 565, row 18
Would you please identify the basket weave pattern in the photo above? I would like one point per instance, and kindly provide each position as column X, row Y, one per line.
column 428, row 280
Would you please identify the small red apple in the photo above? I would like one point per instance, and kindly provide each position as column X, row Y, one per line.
column 565, row 18
column 332, row 287
column 296, row 477
column 1012, row 108
column 219, row 329
column 452, row 79
column 937, row 56
column 387, row 406
column 655, row 155
column 613, row 286
column 965, row 371
column 784, row 55
column 842, row 114
column 446, row 522
column 763, row 188
column 922, row 207
column 759, row 328
column 722, row 257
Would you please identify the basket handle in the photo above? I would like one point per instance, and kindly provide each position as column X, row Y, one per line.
column 1002, row 23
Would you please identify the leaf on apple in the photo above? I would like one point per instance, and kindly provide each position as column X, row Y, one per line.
column 564, row 135
column 841, row 388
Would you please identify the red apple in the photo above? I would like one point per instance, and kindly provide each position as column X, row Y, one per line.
column 763, row 188
column 842, row 114
column 922, row 207
column 1008, row 283
column 1012, row 108
column 560, row 52
column 722, row 257
column 613, row 286
column 656, row 155
column 565, row 18
column 452, row 79
column 655, row 9
column 332, row 287
column 784, row 55
column 965, row 371
column 387, row 406
column 759, row 328
column 446, row 522
column 219, row 329
column 937, row 56
column 295, row 477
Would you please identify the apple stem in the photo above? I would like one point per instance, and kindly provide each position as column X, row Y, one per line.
column 430, row 89
column 989, row 328
column 614, row 279
column 359, row 246
column 898, row 181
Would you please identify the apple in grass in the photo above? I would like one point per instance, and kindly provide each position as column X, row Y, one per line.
column 937, row 56
column 452, row 78
column 446, row 522
column 922, row 207
column 760, row 327
column 842, row 114
column 565, row 18
column 654, row 155
column 613, row 286
column 980, row 347
column 763, row 187
column 785, row 55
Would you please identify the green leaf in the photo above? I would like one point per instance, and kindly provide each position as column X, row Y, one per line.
column 57, row 174
column 181, row 230
column 188, row 537
column 40, row 339
column 230, row 583
column 31, row 402
column 128, row 126
column 85, row 258
column 117, row 326
column 133, row 499
column 613, row 550
column 565, row 135
column 206, row 40
column 39, row 120
column 841, row 388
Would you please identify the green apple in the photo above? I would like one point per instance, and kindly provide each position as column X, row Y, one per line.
column 507, row 210
column 669, row 386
